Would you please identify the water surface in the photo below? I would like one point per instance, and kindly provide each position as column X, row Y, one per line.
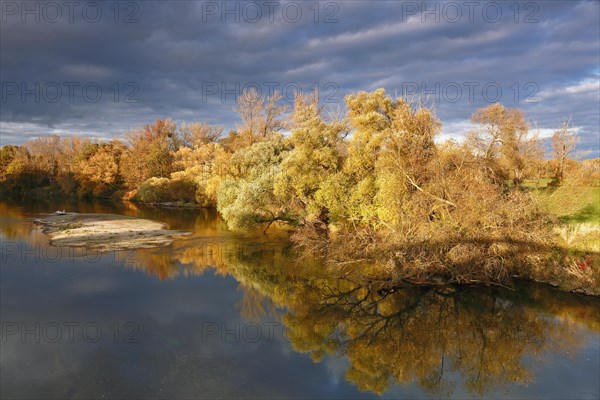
column 225, row 315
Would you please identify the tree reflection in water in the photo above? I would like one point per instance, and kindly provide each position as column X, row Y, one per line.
column 422, row 336
column 489, row 338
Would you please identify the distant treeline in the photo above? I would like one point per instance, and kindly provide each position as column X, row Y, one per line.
column 189, row 162
column 373, row 179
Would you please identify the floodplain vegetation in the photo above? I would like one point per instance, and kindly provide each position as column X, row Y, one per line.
column 371, row 192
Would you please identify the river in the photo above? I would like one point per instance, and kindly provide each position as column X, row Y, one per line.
column 226, row 315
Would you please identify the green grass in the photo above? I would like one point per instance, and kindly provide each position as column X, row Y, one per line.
column 589, row 213
column 571, row 204
column 536, row 183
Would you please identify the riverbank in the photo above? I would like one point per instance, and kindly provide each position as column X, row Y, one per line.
column 106, row 232
column 569, row 260
column 565, row 255
column 577, row 206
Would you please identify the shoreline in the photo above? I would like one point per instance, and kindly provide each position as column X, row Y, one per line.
column 107, row 232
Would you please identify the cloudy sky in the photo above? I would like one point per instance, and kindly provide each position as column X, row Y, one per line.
column 99, row 69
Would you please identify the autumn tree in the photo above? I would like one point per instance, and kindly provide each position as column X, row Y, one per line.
column 44, row 152
column 150, row 152
column 248, row 198
column 563, row 144
column 16, row 171
column 71, row 152
column 205, row 166
column 411, row 209
column 261, row 117
column 390, row 148
column 198, row 134
column 315, row 157
column 522, row 151
column 98, row 170
column 7, row 155
column 370, row 117
column 503, row 142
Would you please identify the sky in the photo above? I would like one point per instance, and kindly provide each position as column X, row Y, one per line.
column 99, row 69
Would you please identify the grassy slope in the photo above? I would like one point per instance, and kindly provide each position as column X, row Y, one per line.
column 572, row 204
column 578, row 207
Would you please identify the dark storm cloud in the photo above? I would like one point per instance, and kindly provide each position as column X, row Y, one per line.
column 181, row 60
